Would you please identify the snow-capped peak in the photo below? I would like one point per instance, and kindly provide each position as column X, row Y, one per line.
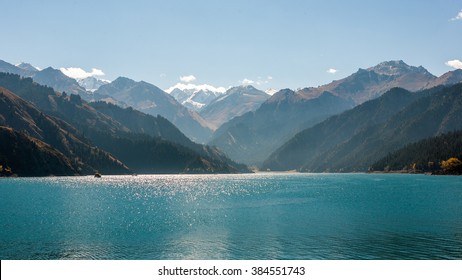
column 271, row 91
column 193, row 88
column 195, row 96
column 91, row 83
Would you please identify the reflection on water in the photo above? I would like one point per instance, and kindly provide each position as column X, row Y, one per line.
column 251, row 216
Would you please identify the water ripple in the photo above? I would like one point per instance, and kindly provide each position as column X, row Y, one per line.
column 249, row 216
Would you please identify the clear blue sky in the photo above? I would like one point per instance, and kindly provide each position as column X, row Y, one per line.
column 224, row 42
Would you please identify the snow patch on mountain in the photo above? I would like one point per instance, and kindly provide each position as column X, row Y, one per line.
column 194, row 96
column 91, row 83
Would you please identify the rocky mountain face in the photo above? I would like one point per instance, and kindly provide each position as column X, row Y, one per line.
column 233, row 103
column 447, row 79
column 367, row 84
column 356, row 139
column 152, row 100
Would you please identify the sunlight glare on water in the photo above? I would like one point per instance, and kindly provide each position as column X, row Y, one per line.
column 245, row 216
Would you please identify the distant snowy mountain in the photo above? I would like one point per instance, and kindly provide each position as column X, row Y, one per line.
column 195, row 97
column 271, row 91
column 150, row 99
column 235, row 102
column 92, row 83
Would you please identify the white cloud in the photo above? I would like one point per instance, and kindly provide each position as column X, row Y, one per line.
column 187, row 79
column 454, row 63
column 187, row 85
column 259, row 81
column 195, row 88
column 458, row 16
column 79, row 73
column 331, row 71
column 163, row 75
column 247, row 82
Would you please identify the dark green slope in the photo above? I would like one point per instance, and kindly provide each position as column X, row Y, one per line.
column 24, row 117
column 139, row 122
column 423, row 156
column 430, row 116
column 145, row 154
column 160, row 128
column 28, row 156
column 309, row 144
column 354, row 141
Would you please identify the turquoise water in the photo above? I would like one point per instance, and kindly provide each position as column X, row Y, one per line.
column 251, row 216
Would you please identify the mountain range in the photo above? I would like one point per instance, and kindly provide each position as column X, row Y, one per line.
column 253, row 137
column 129, row 126
column 354, row 140
column 142, row 96
column 194, row 98
column 84, row 135
column 370, row 83
column 152, row 100
column 48, row 77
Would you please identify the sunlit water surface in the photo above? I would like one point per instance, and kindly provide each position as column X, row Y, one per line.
column 251, row 216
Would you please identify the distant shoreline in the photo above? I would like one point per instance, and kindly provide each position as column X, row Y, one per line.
column 254, row 172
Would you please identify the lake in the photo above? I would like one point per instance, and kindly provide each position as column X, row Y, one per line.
column 245, row 216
